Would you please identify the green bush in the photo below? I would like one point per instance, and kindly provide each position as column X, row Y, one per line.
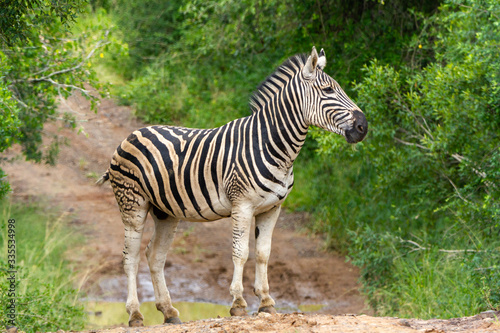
column 40, row 64
column 198, row 65
column 433, row 154
column 148, row 28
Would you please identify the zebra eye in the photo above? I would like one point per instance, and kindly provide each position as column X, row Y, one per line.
column 328, row 90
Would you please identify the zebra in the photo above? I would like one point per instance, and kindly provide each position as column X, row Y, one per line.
column 242, row 170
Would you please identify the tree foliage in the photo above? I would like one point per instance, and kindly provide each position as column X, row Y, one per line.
column 41, row 64
column 435, row 140
column 19, row 17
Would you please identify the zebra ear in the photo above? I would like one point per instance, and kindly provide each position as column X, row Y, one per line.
column 310, row 67
column 322, row 59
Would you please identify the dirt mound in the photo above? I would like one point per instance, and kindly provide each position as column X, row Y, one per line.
column 199, row 266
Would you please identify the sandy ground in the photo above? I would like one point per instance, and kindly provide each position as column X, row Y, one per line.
column 199, row 266
column 298, row 322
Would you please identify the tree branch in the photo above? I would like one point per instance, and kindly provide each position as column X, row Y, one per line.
column 426, row 129
column 411, row 144
column 64, row 85
column 46, row 78
column 455, row 187
column 418, row 247
column 461, row 159
column 477, row 171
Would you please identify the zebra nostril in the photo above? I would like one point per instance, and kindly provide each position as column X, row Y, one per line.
column 359, row 127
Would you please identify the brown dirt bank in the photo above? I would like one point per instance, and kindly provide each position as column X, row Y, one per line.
column 297, row 322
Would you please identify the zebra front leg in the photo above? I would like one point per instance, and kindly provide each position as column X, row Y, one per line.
column 242, row 221
column 156, row 252
column 134, row 226
column 264, row 226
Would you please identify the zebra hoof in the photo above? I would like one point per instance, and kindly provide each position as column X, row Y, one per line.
column 238, row 312
column 173, row 320
column 135, row 323
column 268, row 309
column 136, row 320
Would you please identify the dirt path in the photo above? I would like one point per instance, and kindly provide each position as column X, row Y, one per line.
column 297, row 322
column 199, row 267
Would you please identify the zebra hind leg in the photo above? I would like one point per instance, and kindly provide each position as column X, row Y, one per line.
column 134, row 209
column 264, row 226
column 134, row 221
column 156, row 252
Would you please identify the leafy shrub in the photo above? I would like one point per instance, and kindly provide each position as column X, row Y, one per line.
column 40, row 65
column 433, row 145
column 202, row 61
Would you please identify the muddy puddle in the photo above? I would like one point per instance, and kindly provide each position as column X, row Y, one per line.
column 110, row 314
column 107, row 314
column 194, row 301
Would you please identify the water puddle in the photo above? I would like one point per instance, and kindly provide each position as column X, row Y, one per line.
column 311, row 307
column 106, row 314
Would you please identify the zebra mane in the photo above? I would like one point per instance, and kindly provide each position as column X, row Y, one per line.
column 279, row 78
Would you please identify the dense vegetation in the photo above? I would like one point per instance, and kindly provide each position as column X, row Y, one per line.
column 45, row 297
column 416, row 204
column 432, row 242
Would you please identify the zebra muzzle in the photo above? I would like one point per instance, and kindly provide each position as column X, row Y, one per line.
column 359, row 129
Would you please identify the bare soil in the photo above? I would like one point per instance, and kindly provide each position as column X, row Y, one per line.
column 199, row 266
column 299, row 322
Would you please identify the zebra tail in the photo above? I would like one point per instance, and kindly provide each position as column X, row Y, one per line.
column 103, row 178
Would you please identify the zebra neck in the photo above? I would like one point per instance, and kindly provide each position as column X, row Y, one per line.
column 283, row 131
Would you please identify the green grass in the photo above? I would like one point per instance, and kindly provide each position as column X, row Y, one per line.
column 431, row 278
column 45, row 297
column 436, row 284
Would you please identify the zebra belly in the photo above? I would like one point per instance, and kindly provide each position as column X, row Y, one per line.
column 198, row 210
column 205, row 213
column 220, row 206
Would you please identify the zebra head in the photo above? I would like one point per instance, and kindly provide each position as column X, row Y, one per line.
column 326, row 105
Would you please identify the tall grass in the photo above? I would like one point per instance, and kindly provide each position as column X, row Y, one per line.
column 45, row 297
column 427, row 283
